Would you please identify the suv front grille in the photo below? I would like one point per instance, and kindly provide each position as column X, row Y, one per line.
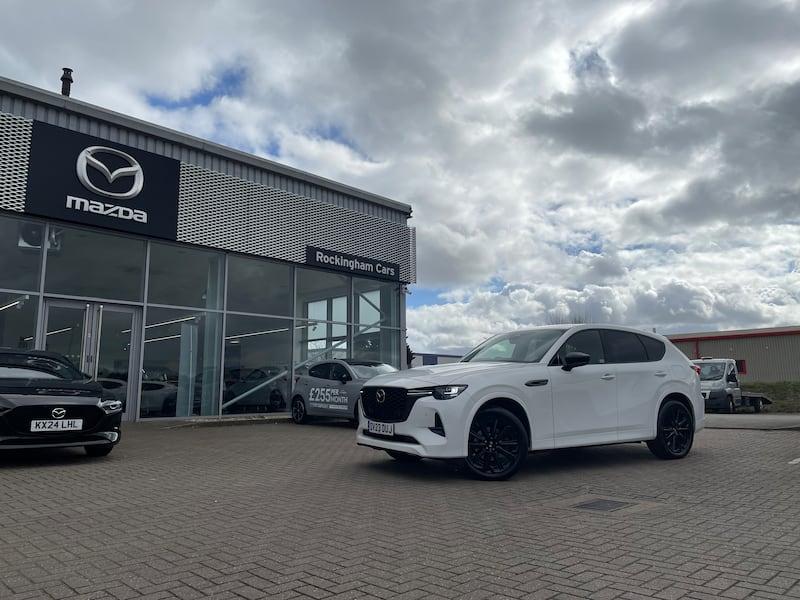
column 394, row 407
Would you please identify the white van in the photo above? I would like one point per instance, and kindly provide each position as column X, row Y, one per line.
column 719, row 384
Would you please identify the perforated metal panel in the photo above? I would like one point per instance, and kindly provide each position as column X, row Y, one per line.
column 15, row 144
column 224, row 212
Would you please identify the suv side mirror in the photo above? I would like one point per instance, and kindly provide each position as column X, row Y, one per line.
column 575, row 359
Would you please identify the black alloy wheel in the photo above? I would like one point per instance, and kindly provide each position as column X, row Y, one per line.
column 403, row 457
column 299, row 410
column 497, row 444
column 674, row 431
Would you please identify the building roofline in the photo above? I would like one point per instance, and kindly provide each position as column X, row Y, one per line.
column 68, row 103
column 734, row 334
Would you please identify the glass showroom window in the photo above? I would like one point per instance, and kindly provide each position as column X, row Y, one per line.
column 182, row 276
column 323, row 300
column 18, row 320
column 97, row 265
column 20, row 254
column 259, row 286
column 376, row 302
column 370, row 343
column 257, row 361
column 182, row 353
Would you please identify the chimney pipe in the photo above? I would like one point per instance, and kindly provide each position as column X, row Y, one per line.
column 66, row 81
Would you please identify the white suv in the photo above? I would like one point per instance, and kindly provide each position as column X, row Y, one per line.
column 537, row 389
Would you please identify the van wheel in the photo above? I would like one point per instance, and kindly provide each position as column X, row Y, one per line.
column 674, row 431
column 497, row 444
column 731, row 406
column 299, row 414
column 758, row 405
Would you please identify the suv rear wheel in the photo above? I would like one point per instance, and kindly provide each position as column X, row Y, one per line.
column 674, row 431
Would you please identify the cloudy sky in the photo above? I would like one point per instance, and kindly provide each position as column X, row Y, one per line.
column 594, row 160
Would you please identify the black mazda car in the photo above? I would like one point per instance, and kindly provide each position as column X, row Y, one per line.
column 46, row 402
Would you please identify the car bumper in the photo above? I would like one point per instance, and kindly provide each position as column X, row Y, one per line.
column 106, row 431
column 433, row 429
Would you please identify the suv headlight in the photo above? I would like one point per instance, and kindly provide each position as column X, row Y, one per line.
column 447, row 392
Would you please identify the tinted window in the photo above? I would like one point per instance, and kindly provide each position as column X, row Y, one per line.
column 624, row 347
column 655, row 348
column 322, row 371
column 588, row 342
column 338, row 372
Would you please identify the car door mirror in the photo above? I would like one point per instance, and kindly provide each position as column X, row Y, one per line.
column 575, row 359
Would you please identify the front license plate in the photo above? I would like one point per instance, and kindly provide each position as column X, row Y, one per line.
column 380, row 428
column 57, row 425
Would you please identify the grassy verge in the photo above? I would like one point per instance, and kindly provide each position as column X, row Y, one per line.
column 785, row 395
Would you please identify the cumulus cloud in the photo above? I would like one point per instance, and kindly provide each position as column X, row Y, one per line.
column 620, row 161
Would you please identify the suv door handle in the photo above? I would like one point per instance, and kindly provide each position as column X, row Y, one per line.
column 608, row 377
column 660, row 373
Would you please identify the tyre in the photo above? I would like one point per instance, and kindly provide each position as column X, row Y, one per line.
column 299, row 414
column 674, row 431
column 98, row 450
column 758, row 405
column 276, row 401
column 731, row 407
column 403, row 457
column 497, row 444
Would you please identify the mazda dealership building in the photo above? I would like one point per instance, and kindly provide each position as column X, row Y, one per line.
column 189, row 278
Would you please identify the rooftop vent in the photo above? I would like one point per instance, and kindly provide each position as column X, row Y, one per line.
column 66, row 81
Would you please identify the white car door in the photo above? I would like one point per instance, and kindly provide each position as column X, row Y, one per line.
column 585, row 397
column 639, row 380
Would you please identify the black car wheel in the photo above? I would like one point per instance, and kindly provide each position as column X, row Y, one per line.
column 731, row 406
column 758, row 405
column 276, row 401
column 497, row 445
column 403, row 457
column 299, row 410
column 674, row 431
column 98, row 450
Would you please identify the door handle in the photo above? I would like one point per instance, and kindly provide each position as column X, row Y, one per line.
column 660, row 373
column 536, row 382
column 608, row 377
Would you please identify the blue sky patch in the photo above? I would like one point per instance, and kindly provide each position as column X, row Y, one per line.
column 229, row 83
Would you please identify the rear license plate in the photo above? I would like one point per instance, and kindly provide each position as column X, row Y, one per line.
column 57, row 425
column 380, row 428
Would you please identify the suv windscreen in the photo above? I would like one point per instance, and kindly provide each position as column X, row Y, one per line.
column 516, row 346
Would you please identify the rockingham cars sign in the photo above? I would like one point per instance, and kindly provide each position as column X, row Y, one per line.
column 355, row 265
column 83, row 179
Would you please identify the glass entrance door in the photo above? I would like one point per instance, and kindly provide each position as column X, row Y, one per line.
column 98, row 339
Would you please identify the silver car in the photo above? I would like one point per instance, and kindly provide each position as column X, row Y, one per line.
column 330, row 388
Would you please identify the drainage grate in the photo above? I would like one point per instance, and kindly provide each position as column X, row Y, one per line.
column 604, row 505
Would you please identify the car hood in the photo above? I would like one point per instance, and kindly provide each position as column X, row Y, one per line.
column 448, row 374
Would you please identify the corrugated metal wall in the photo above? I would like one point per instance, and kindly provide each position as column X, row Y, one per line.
column 768, row 357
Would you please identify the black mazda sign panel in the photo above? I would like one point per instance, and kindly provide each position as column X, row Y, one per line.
column 84, row 179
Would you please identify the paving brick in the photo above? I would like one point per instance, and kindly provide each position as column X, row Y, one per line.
column 274, row 510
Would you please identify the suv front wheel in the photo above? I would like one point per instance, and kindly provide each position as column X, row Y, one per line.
column 497, row 444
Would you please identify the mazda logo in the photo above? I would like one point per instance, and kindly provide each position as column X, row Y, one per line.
column 380, row 396
column 91, row 158
column 59, row 413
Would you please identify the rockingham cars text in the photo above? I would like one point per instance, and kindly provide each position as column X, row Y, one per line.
column 543, row 388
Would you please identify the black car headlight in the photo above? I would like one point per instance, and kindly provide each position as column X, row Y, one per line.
column 110, row 406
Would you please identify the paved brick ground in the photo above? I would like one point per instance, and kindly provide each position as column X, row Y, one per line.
column 282, row 511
